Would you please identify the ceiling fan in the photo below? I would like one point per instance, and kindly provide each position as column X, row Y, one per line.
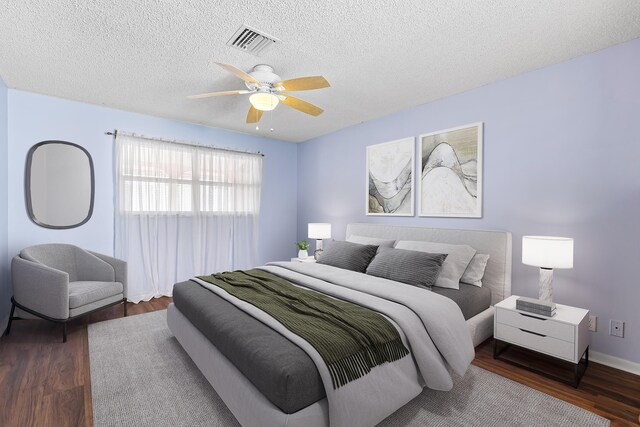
column 267, row 90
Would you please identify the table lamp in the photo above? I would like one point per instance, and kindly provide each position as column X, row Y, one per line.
column 319, row 231
column 547, row 253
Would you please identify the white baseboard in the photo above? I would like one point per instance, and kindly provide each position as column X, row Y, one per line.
column 615, row 362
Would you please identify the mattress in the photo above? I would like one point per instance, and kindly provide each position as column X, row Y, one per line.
column 279, row 369
column 471, row 299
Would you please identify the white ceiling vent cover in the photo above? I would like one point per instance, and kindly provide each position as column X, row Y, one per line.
column 252, row 41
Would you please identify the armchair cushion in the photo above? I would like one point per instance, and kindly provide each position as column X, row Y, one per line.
column 119, row 266
column 85, row 292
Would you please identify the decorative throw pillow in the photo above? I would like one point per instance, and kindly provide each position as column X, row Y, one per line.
column 364, row 240
column 347, row 255
column 453, row 267
column 411, row 267
column 475, row 270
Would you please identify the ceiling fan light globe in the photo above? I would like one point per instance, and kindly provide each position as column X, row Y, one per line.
column 264, row 101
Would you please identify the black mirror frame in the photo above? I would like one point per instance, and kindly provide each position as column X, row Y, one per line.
column 27, row 185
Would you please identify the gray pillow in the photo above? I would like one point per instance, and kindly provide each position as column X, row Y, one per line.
column 411, row 267
column 475, row 270
column 364, row 240
column 347, row 255
column 453, row 267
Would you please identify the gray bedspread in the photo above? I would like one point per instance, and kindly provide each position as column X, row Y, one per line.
column 281, row 370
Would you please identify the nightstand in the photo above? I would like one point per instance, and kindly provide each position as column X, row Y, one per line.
column 309, row 259
column 564, row 336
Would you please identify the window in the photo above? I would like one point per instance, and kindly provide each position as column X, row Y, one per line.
column 159, row 177
column 182, row 211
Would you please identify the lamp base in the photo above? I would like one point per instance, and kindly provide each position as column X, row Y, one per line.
column 318, row 251
column 546, row 285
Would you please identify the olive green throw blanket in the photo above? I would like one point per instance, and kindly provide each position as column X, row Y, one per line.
column 350, row 339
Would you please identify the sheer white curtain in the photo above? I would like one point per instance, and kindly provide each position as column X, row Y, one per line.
column 183, row 210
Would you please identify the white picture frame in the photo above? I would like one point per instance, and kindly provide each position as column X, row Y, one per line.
column 390, row 179
column 451, row 172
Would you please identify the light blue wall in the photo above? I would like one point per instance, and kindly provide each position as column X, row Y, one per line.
column 561, row 157
column 5, row 287
column 34, row 118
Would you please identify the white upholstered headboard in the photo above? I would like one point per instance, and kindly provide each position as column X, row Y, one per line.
column 497, row 244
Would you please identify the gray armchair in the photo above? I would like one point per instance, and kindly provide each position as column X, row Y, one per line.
column 60, row 282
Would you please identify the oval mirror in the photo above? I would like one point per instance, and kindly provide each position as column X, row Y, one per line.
column 59, row 184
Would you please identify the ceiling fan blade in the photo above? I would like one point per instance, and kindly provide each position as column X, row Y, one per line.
column 238, row 73
column 254, row 115
column 301, row 105
column 304, row 83
column 228, row 92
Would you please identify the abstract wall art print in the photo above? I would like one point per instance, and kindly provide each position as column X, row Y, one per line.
column 390, row 176
column 451, row 173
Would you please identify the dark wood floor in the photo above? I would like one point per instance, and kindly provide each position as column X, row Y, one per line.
column 609, row 392
column 44, row 382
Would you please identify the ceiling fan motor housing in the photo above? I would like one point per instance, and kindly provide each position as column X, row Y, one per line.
column 265, row 75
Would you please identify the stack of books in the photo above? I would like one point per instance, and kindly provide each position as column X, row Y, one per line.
column 536, row 306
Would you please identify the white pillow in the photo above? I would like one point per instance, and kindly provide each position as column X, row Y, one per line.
column 475, row 270
column 364, row 240
column 458, row 258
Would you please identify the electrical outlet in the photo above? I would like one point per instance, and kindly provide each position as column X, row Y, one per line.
column 616, row 328
column 593, row 323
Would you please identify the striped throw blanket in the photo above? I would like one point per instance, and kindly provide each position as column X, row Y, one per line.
column 350, row 339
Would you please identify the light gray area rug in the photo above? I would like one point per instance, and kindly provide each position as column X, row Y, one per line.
column 141, row 376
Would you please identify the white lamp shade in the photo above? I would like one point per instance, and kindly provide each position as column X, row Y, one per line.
column 319, row 230
column 547, row 251
column 264, row 101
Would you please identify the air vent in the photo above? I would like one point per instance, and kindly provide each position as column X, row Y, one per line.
column 252, row 41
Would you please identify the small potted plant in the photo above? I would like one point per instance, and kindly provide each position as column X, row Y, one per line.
column 303, row 247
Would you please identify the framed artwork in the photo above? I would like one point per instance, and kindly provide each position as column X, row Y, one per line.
column 390, row 171
column 451, row 172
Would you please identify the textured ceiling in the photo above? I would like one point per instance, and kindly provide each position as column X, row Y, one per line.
column 379, row 56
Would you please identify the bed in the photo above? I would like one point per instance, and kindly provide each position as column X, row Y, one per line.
column 260, row 401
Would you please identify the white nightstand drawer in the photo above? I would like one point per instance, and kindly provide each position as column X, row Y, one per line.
column 548, row 327
column 544, row 344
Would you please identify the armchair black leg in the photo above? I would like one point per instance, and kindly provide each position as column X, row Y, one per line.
column 13, row 308
column 124, row 300
column 63, row 321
